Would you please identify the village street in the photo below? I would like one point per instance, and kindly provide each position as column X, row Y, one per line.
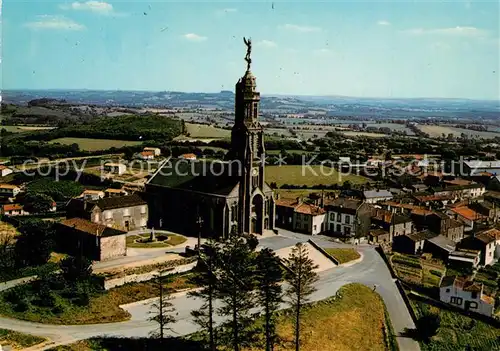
column 371, row 271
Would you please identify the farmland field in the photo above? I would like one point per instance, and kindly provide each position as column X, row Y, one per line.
column 206, row 131
column 437, row 131
column 21, row 129
column 458, row 332
column 315, row 175
column 89, row 144
column 365, row 134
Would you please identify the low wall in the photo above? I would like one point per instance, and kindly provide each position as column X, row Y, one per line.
column 136, row 278
column 320, row 249
column 386, row 260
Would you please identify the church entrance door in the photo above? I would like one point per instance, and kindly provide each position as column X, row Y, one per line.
column 257, row 203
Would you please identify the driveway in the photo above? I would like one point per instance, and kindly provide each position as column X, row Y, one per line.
column 371, row 271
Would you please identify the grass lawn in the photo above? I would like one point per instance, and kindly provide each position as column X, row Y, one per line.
column 18, row 341
column 354, row 320
column 206, row 131
column 309, row 175
column 343, row 255
column 89, row 144
column 172, row 240
column 104, row 306
column 458, row 332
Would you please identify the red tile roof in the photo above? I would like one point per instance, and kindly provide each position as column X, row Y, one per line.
column 309, row 209
column 468, row 213
column 91, row 228
column 12, row 207
column 147, row 153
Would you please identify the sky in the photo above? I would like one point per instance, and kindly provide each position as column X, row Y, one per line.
column 439, row 49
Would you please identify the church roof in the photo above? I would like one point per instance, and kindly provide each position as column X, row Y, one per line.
column 212, row 177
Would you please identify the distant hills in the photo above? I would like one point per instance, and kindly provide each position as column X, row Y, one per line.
column 340, row 106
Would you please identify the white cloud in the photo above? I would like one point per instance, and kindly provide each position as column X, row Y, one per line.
column 54, row 22
column 267, row 43
column 194, row 37
column 322, row 51
column 100, row 7
column 302, row 29
column 383, row 23
column 452, row 31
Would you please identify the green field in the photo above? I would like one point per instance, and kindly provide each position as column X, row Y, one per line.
column 309, row 176
column 22, row 129
column 206, row 131
column 89, row 144
column 365, row 134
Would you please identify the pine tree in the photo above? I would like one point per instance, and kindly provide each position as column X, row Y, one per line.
column 301, row 277
column 206, row 276
column 269, row 294
column 163, row 310
column 236, row 290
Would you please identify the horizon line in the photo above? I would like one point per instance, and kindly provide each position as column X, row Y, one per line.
column 262, row 94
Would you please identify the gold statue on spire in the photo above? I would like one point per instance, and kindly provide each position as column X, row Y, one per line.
column 248, row 43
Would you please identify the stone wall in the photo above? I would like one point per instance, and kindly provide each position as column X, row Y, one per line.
column 112, row 247
column 136, row 278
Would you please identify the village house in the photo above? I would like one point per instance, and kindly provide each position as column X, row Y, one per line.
column 411, row 244
column 9, row 190
column 188, row 157
column 92, row 194
column 12, row 210
column 122, row 212
column 156, row 151
column 487, row 242
column 466, row 294
column 473, row 167
column 461, row 191
column 299, row 216
column 5, row 171
column 467, row 216
column 379, row 236
column 146, row 155
column 348, row 217
column 395, row 224
column 110, row 192
column 95, row 241
column 114, row 168
column 462, row 258
column 440, row 247
column 374, row 196
column 487, row 209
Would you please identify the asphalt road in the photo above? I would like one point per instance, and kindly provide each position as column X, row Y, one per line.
column 371, row 271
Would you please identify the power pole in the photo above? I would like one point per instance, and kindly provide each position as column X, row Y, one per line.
column 200, row 224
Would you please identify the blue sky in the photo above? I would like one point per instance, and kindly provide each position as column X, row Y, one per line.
column 355, row 48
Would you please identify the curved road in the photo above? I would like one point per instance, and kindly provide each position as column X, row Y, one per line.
column 371, row 271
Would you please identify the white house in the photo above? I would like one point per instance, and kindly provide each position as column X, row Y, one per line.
column 188, row 156
column 89, row 194
column 4, row 171
column 115, row 168
column 374, row 196
column 466, row 294
column 156, row 151
column 293, row 214
column 9, row 190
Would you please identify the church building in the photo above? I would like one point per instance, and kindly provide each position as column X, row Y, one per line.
column 219, row 198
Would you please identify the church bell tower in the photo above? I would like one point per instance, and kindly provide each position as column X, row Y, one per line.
column 247, row 148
